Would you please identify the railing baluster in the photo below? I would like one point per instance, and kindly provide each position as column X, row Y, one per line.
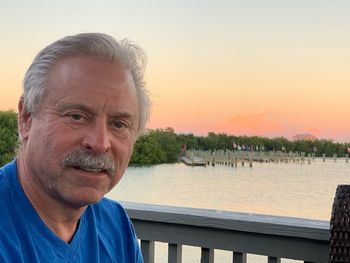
column 147, row 249
column 239, row 257
column 174, row 253
column 207, row 255
column 273, row 260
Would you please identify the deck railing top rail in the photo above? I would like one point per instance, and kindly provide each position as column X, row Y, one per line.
column 245, row 222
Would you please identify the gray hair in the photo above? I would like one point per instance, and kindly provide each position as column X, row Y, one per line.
column 97, row 45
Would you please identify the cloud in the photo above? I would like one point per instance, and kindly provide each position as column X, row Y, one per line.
column 264, row 124
column 261, row 124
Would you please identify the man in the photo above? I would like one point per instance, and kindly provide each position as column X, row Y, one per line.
column 83, row 106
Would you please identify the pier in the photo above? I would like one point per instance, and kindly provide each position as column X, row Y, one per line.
column 193, row 161
column 235, row 158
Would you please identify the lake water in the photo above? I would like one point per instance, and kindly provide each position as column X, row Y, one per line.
column 284, row 189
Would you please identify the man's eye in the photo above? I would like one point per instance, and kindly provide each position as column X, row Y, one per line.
column 120, row 125
column 76, row 117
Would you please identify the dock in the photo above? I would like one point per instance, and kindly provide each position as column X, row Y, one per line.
column 232, row 158
column 194, row 161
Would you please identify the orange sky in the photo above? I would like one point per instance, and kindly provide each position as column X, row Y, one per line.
column 279, row 66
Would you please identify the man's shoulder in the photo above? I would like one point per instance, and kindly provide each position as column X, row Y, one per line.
column 115, row 230
column 7, row 201
column 5, row 173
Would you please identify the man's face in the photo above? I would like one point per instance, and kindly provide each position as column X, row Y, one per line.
column 90, row 106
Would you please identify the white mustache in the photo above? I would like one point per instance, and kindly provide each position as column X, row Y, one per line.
column 87, row 160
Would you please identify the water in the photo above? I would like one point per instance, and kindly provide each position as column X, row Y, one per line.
column 285, row 189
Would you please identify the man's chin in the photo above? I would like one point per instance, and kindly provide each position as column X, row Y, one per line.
column 83, row 199
column 89, row 202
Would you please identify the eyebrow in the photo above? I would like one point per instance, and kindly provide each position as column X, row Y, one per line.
column 79, row 106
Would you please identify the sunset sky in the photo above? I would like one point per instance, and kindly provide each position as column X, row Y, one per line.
column 263, row 67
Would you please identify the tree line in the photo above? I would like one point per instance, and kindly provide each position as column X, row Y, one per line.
column 8, row 136
column 164, row 145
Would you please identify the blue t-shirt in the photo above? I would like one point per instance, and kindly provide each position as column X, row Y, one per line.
column 105, row 233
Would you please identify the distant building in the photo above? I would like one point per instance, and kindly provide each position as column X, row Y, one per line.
column 304, row 136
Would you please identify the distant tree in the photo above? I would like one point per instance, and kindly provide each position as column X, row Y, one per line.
column 190, row 140
column 147, row 151
column 211, row 142
column 327, row 147
column 8, row 136
column 167, row 139
column 157, row 146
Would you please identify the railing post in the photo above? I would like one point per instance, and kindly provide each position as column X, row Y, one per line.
column 174, row 253
column 239, row 257
column 207, row 255
column 147, row 249
column 273, row 260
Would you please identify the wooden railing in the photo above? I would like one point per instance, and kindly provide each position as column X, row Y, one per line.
column 241, row 233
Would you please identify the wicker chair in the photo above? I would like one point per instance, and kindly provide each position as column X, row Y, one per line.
column 340, row 226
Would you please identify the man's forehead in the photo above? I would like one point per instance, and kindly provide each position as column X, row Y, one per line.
column 81, row 71
column 84, row 61
column 108, row 79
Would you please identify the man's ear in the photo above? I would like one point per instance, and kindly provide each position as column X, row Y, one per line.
column 24, row 120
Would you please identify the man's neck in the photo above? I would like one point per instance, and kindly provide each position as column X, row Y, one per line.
column 60, row 218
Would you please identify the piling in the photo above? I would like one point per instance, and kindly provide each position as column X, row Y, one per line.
column 302, row 158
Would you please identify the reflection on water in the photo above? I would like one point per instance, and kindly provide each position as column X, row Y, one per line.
column 278, row 189
column 267, row 188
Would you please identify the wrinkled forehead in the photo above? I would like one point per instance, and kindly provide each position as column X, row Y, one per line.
column 85, row 62
column 86, row 77
column 79, row 70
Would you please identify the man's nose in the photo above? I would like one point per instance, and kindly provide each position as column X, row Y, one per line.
column 97, row 138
